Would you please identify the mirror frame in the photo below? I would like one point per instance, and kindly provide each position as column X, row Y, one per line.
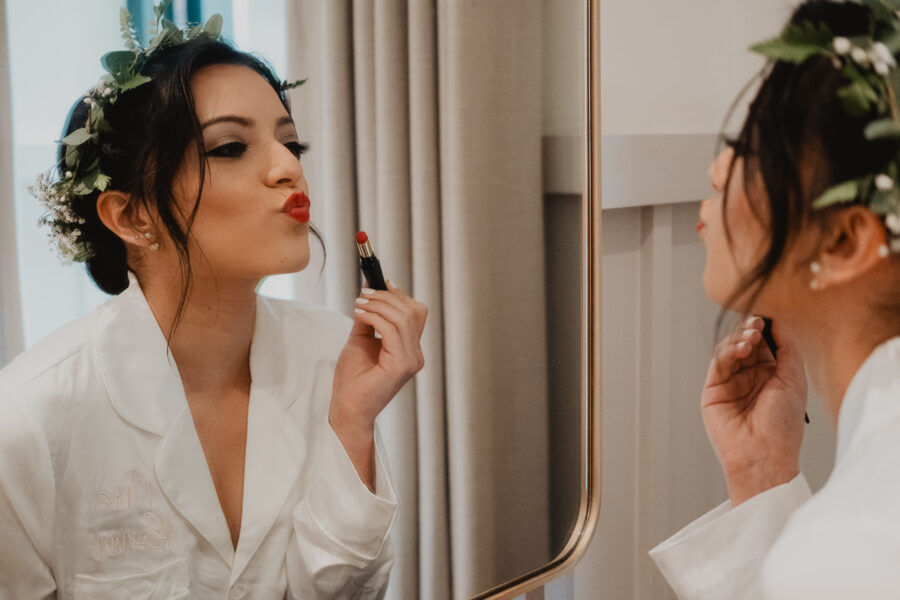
column 589, row 508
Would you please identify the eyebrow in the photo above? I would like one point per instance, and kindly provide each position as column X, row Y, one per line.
column 285, row 120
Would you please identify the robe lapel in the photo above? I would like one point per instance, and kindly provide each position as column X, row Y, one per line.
column 184, row 477
column 274, row 452
column 145, row 388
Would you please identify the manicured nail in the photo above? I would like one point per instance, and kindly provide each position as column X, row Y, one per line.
column 743, row 345
column 368, row 291
column 750, row 321
column 749, row 332
column 359, row 311
column 362, row 300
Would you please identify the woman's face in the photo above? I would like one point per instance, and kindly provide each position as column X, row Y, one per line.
column 727, row 264
column 242, row 229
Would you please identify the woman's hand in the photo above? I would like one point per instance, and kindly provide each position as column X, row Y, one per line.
column 753, row 408
column 370, row 371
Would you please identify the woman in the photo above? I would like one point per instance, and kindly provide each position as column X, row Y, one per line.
column 804, row 229
column 189, row 438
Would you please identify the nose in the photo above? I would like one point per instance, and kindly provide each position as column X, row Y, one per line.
column 284, row 167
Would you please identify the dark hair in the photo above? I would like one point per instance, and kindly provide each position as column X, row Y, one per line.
column 152, row 127
column 798, row 141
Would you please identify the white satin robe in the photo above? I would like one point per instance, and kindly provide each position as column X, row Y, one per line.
column 105, row 492
column 842, row 543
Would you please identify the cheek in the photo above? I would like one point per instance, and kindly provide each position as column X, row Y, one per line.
column 728, row 262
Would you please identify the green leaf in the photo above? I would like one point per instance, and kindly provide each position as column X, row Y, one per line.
column 160, row 9
column 134, row 82
column 214, row 26
column 882, row 202
column 857, row 98
column 127, row 28
column 798, row 43
column 102, row 181
column 77, row 137
column 71, row 156
column 289, row 85
column 882, row 128
column 118, row 62
column 838, row 194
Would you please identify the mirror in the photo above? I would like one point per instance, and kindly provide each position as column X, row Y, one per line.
column 457, row 134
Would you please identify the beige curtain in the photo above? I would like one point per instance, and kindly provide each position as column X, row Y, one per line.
column 424, row 118
column 11, row 342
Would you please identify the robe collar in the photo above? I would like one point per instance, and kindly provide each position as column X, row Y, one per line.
column 872, row 399
column 145, row 389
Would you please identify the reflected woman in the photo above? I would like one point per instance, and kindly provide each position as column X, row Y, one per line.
column 804, row 228
column 190, row 438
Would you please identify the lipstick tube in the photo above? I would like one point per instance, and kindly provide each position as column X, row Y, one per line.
column 368, row 263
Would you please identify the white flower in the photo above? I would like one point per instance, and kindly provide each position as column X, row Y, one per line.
column 860, row 56
column 893, row 223
column 884, row 182
column 107, row 92
column 842, row 45
column 68, row 174
column 882, row 68
column 883, row 54
column 87, row 100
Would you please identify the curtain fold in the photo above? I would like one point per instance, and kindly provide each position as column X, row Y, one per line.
column 424, row 118
column 11, row 335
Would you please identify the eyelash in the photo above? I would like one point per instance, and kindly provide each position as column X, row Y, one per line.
column 235, row 149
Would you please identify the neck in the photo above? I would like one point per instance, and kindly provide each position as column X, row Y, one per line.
column 835, row 342
column 211, row 342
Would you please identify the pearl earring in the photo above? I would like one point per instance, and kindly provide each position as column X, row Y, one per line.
column 154, row 246
column 815, row 267
column 814, row 284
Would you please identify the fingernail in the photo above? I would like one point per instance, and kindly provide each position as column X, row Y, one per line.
column 743, row 344
column 362, row 301
column 368, row 291
column 749, row 332
column 359, row 311
column 750, row 321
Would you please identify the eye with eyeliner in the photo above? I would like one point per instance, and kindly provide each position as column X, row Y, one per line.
column 236, row 149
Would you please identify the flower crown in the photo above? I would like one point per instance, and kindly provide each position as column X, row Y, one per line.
column 872, row 86
column 80, row 175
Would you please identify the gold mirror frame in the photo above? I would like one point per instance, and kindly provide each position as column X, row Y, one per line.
column 585, row 523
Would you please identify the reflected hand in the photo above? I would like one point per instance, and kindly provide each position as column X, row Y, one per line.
column 370, row 371
column 753, row 408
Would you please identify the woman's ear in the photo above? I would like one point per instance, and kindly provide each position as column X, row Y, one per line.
column 853, row 244
column 125, row 217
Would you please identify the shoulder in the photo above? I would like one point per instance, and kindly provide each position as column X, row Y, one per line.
column 53, row 352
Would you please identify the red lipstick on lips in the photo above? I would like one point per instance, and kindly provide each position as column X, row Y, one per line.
column 297, row 207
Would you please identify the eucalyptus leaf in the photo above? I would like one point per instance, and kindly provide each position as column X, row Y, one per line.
column 214, row 26
column 82, row 189
column 838, row 194
column 882, row 128
column 118, row 61
column 77, row 137
column 135, row 81
column 71, row 156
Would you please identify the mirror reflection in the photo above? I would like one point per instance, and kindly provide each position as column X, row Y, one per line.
column 208, row 437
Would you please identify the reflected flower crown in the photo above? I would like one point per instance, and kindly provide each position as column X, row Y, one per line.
column 872, row 86
column 80, row 174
